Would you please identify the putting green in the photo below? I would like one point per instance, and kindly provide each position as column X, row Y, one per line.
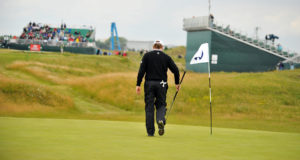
column 55, row 139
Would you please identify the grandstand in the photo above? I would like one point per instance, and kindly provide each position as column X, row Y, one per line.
column 50, row 38
column 231, row 50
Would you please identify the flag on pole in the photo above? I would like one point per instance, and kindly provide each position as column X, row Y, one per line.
column 202, row 55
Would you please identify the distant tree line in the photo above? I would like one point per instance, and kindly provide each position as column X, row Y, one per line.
column 106, row 43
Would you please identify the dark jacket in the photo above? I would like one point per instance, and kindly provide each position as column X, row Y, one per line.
column 155, row 64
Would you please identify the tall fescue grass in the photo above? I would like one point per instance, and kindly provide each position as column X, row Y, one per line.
column 269, row 95
column 101, row 86
column 181, row 50
column 18, row 96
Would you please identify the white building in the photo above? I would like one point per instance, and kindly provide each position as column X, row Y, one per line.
column 139, row 45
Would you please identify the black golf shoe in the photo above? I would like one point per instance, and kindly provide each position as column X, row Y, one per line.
column 161, row 128
column 150, row 135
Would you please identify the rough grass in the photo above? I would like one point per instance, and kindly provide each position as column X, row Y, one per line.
column 17, row 96
column 103, row 87
column 22, row 92
column 181, row 50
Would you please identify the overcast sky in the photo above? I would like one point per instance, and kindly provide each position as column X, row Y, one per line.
column 156, row 19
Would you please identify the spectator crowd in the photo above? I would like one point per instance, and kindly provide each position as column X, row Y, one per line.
column 38, row 31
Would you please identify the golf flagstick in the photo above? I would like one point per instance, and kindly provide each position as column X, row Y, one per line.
column 202, row 56
column 175, row 95
column 210, row 98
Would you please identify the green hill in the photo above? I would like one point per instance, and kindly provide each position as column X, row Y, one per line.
column 103, row 87
column 180, row 50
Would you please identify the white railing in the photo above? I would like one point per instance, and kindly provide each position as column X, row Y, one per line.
column 53, row 43
column 295, row 59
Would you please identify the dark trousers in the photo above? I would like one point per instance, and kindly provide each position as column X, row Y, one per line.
column 155, row 94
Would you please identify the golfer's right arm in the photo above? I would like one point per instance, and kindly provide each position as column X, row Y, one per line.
column 140, row 76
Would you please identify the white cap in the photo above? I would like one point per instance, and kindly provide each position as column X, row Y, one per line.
column 159, row 41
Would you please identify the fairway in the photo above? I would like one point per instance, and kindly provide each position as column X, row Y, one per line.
column 48, row 139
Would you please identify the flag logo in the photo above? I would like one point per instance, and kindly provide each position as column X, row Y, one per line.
column 202, row 55
column 199, row 58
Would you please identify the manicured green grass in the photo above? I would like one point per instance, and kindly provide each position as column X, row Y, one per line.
column 60, row 139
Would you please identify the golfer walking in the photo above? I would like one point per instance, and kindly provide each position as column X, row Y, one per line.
column 155, row 64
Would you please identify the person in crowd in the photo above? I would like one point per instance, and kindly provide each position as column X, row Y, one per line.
column 271, row 37
column 88, row 34
column 211, row 20
column 30, row 34
column 279, row 47
column 281, row 66
column 38, row 31
column 141, row 52
column 267, row 37
column 292, row 67
column 23, row 35
column 99, row 52
column 71, row 39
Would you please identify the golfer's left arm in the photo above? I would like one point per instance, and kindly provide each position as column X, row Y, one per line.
column 174, row 69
